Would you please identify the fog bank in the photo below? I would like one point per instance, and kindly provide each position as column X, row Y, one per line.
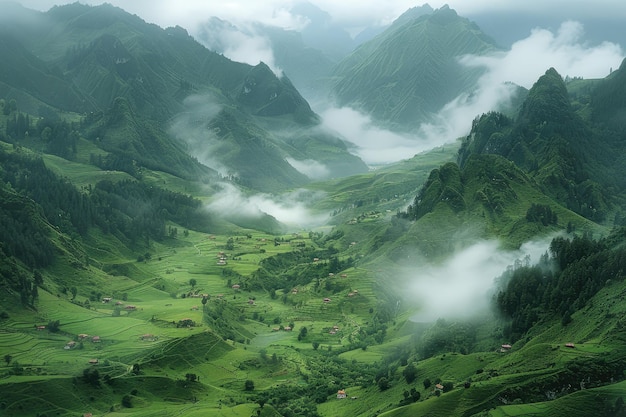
column 462, row 286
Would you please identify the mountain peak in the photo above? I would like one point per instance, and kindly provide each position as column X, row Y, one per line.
column 547, row 99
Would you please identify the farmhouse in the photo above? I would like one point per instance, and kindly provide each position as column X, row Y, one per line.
column 41, row 327
column 341, row 394
column 438, row 387
column 327, row 300
column 106, row 300
column 288, row 328
column 69, row 345
column 236, row 287
column 83, row 336
column 93, row 361
column 570, row 345
column 96, row 339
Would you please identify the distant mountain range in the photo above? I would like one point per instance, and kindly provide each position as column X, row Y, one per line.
column 82, row 59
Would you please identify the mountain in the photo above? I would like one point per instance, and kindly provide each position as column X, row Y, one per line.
column 89, row 60
column 411, row 70
column 574, row 160
column 141, row 274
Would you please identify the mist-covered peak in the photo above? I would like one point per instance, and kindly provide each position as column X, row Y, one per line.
column 267, row 95
column 547, row 99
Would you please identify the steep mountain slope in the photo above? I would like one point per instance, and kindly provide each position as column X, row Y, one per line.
column 573, row 160
column 103, row 56
column 411, row 70
column 27, row 79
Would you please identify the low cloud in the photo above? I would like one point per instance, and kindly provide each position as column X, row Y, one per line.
column 190, row 128
column 241, row 44
column 313, row 169
column 462, row 286
column 564, row 50
column 522, row 65
column 290, row 209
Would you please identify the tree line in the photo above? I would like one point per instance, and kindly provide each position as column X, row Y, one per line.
column 564, row 280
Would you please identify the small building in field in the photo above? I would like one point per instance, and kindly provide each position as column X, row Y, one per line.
column 287, row 328
column 83, row 336
column 570, row 345
column 236, row 287
column 106, row 300
column 93, row 361
column 341, row 394
column 327, row 300
column 96, row 339
column 41, row 327
column 439, row 387
column 344, row 275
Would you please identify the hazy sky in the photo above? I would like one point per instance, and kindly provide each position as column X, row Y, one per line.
column 351, row 13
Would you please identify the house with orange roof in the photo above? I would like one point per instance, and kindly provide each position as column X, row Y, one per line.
column 341, row 394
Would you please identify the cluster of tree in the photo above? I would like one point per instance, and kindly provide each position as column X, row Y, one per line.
column 562, row 282
column 290, row 269
column 130, row 209
column 541, row 213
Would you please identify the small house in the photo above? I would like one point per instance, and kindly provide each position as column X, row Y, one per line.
column 327, row 300
column 570, row 345
column 506, row 346
column 96, row 339
column 106, row 300
column 341, row 394
column 439, row 387
column 236, row 287
column 83, row 336
column 93, row 361
column 41, row 327
column 288, row 328
column 344, row 275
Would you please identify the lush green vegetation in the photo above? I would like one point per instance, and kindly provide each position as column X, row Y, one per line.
column 121, row 294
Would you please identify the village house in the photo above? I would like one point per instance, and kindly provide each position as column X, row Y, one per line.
column 570, row 345
column 341, row 394
column 83, row 336
column 327, row 300
column 69, row 345
column 96, row 339
column 106, row 300
column 41, row 327
column 93, row 361
column 236, row 287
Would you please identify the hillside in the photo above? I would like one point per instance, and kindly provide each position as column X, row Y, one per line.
column 143, row 273
column 411, row 70
column 574, row 159
column 90, row 58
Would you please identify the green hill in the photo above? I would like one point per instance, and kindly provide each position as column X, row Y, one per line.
column 121, row 294
column 102, row 57
column 411, row 70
